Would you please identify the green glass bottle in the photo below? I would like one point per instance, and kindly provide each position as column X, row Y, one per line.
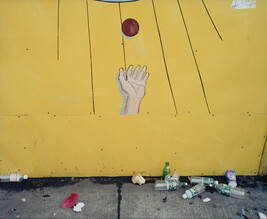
column 166, row 170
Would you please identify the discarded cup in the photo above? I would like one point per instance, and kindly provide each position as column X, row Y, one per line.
column 138, row 179
column 206, row 181
column 197, row 189
column 230, row 191
column 13, row 177
column 231, row 178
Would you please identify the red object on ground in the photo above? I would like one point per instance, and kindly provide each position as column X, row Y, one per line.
column 130, row 27
column 70, row 201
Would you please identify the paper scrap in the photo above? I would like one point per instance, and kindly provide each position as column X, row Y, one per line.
column 78, row 207
column 261, row 215
column 206, row 200
column 242, row 4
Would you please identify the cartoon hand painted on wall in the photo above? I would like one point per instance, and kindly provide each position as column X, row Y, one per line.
column 133, row 84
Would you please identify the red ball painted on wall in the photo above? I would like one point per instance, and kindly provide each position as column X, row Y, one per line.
column 130, row 27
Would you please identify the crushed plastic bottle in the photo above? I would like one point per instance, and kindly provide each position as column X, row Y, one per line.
column 174, row 176
column 170, row 185
column 206, row 181
column 227, row 190
column 13, row 177
column 166, row 170
column 197, row 189
column 167, row 177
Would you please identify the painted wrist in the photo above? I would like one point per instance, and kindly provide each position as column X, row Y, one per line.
column 132, row 105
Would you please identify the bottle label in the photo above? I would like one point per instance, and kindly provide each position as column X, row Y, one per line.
column 193, row 191
column 13, row 177
column 172, row 184
column 225, row 190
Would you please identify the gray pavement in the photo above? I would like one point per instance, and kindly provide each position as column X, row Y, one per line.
column 118, row 198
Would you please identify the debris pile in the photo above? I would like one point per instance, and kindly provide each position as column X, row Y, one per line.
column 172, row 183
column 71, row 202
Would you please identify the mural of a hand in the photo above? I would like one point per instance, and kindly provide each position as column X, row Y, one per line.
column 134, row 85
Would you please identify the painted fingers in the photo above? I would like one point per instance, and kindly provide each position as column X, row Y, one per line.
column 136, row 74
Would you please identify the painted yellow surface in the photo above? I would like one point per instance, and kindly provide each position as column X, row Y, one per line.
column 60, row 102
column 234, row 70
column 179, row 59
column 145, row 49
column 263, row 164
column 107, row 56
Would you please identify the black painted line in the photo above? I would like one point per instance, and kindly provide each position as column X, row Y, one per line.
column 212, row 20
column 58, row 4
column 91, row 59
column 119, row 186
column 262, row 155
column 124, row 56
column 203, row 89
column 163, row 55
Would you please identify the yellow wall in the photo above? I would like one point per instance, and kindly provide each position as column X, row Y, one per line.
column 205, row 108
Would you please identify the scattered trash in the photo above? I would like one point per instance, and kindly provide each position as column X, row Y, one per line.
column 206, row 181
column 166, row 170
column 70, row 201
column 138, row 179
column 243, row 214
column 170, row 185
column 13, row 177
column 78, row 207
column 197, row 189
column 175, row 176
column 164, row 199
column 206, row 199
column 23, row 200
column 55, row 214
column 167, row 177
column 227, row 190
column 231, row 178
column 262, row 216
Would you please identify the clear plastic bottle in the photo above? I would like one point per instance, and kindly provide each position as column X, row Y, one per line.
column 166, row 170
column 174, row 176
column 13, row 177
column 170, row 185
column 204, row 180
column 197, row 189
column 227, row 190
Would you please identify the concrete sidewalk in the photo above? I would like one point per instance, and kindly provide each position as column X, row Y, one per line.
column 118, row 198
